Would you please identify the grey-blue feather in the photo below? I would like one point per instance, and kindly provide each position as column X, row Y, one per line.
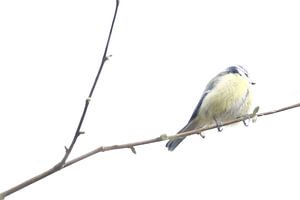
column 208, row 88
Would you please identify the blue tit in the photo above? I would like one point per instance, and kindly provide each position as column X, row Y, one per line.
column 226, row 97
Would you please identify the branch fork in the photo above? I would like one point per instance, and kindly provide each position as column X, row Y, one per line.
column 78, row 132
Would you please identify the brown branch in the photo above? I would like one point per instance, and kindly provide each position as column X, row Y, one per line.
column 279, row 110
column 78, row 132
column 87, row 101
column 132, row 146
column 183, row 134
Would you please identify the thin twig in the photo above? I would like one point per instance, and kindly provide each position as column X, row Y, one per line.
column 87, row 101
column 166, row 137
column 278, row 110
column 78, row 132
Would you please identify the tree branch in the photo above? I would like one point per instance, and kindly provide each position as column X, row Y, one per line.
column 183, row 134
column 87, row 101
column 131, row 146
column 78, row 132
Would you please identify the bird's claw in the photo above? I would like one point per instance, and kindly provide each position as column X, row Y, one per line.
column 220, row 128
column 203, row 136
column 246, row 122
column 219, row 125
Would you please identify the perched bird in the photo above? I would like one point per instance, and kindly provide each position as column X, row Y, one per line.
column 226, row 97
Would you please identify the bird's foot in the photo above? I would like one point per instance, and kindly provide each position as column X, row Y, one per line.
column 246, row 122
column 203, row 136
column 219, row 125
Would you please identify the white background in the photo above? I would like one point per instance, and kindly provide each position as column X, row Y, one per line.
column 163, row 54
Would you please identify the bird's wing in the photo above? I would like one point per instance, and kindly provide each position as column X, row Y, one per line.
column 196, row 110
column 207, row 90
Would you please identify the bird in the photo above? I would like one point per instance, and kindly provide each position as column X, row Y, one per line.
column 226, row 97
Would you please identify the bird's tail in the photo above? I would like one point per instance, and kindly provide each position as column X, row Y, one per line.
column 173, row 143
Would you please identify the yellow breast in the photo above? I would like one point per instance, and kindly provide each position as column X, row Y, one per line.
column 230, row 98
